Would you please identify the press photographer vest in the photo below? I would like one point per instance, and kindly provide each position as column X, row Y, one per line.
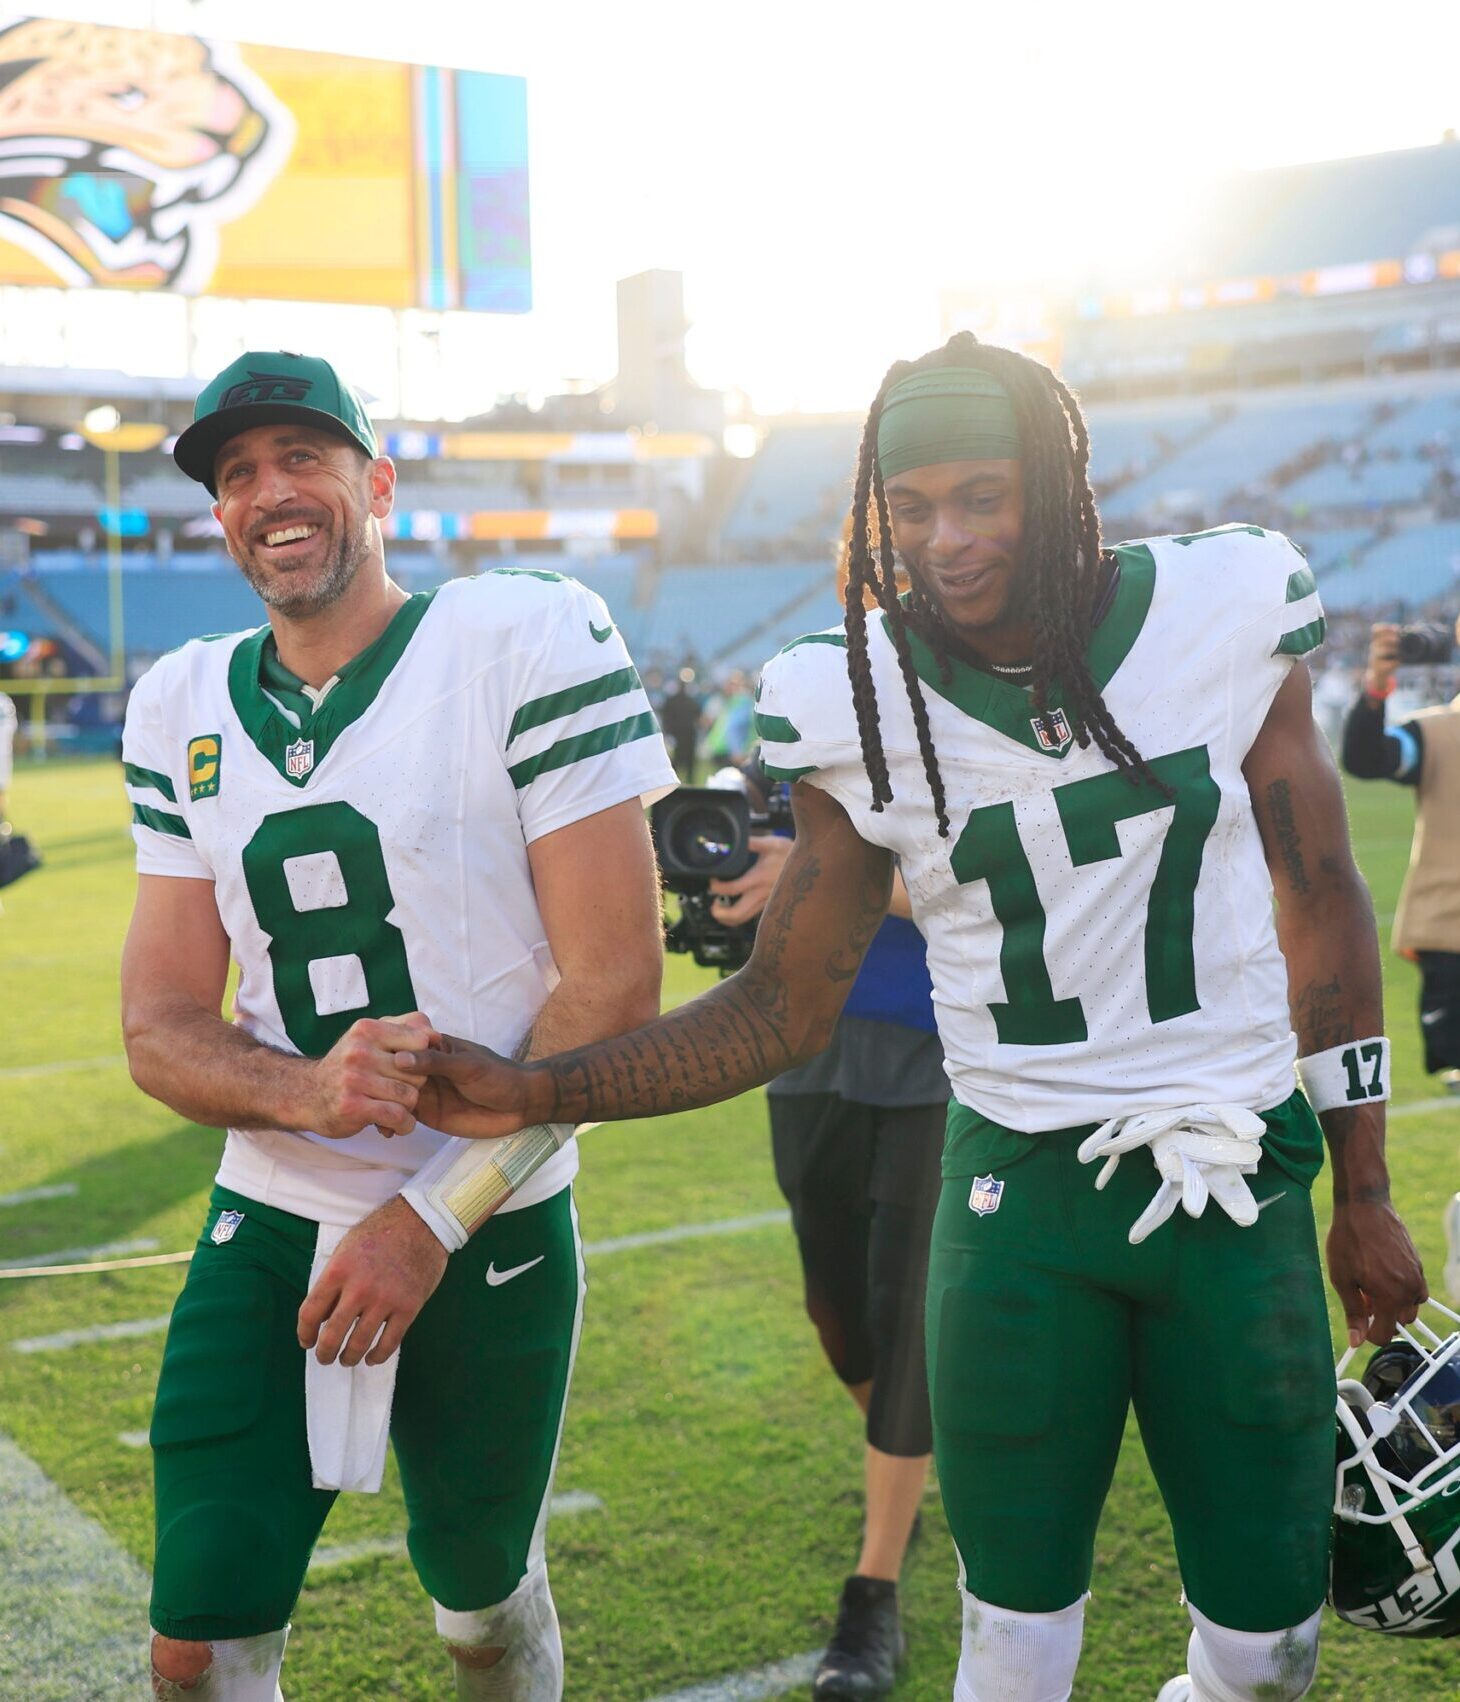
column 1428, row 918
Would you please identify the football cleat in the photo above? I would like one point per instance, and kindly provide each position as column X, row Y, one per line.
column 867, row 1646
column 1176, row 1689
column 1396, row 1530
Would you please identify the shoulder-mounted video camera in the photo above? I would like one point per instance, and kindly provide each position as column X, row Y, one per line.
column 703, row 833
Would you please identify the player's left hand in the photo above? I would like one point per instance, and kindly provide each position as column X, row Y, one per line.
column 382, row 1273
column 1374, row 1269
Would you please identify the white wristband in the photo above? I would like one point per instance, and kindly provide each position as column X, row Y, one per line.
column 467, row 1180
column 1356, row 1073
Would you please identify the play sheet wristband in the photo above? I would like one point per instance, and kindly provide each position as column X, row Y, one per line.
column 467, row 1180
column 1356, row 1073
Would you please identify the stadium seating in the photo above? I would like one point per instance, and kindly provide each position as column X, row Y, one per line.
column 1244, row 451
column 1403, row 571
column 800, row 482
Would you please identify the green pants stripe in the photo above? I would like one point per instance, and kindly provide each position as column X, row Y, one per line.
column 1045, row 1326
column 476, row 1422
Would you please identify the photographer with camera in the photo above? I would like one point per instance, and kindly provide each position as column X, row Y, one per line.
column 857, row 1137
column 1422, row 752
column 16, row 856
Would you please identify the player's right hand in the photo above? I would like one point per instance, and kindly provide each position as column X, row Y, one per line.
column 1383, row 658
column 358, row 1084
column 466, row 1089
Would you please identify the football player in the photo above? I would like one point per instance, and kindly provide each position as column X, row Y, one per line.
column 373, row 802
column 1095, row 768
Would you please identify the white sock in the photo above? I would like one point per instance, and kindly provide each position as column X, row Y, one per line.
column 1018, row 1657
column 1245, row 1666
column 243, row 1669
column 526, row 1626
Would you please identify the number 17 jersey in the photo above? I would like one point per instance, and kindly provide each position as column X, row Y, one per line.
column 1096, row 947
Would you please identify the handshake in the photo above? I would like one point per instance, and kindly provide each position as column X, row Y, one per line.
column 394, row 1072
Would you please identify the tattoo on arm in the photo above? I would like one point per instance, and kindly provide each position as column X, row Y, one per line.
column 741, row 1033
column 1285, row 831
column 1322, row 1016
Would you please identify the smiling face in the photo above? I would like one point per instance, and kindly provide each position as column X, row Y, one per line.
column 296, row 506
column 959, row 527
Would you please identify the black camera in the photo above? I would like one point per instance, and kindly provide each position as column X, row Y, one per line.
column 703, row 833
column 1428, row 645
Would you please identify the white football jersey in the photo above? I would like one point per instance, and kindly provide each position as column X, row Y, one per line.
column 370, row 858
column 1096, row 948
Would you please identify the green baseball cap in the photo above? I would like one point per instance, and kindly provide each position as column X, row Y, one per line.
column 269, row 389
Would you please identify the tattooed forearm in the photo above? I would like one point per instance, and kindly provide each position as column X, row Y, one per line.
column 1321, row 1016
column 1285, row 832
column 711, row 1049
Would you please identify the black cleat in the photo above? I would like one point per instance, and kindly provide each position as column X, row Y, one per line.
column 867, row 1646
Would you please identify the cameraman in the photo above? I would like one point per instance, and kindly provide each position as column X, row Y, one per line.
column 1422, row 752
column 857, row 1136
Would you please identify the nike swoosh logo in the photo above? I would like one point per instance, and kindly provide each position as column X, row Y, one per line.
column 496, row 1278
column 604, row 636
column 1262, row 1205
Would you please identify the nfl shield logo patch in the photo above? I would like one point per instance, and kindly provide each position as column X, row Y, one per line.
column 226, row 1227
column 1052, row 730
column 299, row 758
column 985, row 1195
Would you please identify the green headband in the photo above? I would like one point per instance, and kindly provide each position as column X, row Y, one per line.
column 946, row 413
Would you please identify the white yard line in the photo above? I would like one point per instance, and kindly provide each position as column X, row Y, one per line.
column 75, row 1602
column 572, row 1501
column 684, row 1232
column 756, row 1685
column 68, row 1255
column 1416, row 1106
column 61, row 1067
column 92, row 1333
column 133, row 1438
column 56, row 1191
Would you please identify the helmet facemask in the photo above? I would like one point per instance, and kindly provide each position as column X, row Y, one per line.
column 1396, row 1557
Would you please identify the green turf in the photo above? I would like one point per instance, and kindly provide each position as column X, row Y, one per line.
column 727, row 1460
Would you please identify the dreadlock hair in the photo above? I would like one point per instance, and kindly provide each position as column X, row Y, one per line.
column 1056, row 589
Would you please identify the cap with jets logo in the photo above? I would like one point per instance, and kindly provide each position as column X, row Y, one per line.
column 270, row 389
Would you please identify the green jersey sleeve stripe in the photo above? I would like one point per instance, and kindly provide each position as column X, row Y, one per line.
column 135, row 776
column 540, row 710
column 161, row 821
column 581, row 745
column 1301, row 584
column 786, row 773
column 1304, row 639
column 776, row 729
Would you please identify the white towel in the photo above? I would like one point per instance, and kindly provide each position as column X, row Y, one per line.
column 347, row 1408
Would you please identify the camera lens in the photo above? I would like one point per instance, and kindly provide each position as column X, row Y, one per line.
column 1427, row 644
column 702, row 838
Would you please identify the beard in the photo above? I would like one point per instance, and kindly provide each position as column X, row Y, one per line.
column 297, row 593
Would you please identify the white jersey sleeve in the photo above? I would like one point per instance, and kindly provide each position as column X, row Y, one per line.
column 804, row 716
column 1251, row 592
column 154, row 768
column 581, row 735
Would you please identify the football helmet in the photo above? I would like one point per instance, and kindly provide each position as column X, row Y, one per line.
column 1396, row 1529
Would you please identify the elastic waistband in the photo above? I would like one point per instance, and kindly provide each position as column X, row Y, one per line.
column 304, row 1230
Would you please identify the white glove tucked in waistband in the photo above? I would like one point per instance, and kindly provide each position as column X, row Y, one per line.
column 1201, row 1151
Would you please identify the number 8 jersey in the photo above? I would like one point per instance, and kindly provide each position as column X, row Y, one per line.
column 368, row 848
column 1097, row 947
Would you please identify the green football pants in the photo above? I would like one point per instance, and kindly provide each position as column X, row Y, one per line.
column 479, row 1398
column 1045, row 1325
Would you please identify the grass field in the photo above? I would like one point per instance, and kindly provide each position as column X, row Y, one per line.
column 726, row 1460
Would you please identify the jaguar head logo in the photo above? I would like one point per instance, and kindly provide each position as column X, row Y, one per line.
column 123, row 151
